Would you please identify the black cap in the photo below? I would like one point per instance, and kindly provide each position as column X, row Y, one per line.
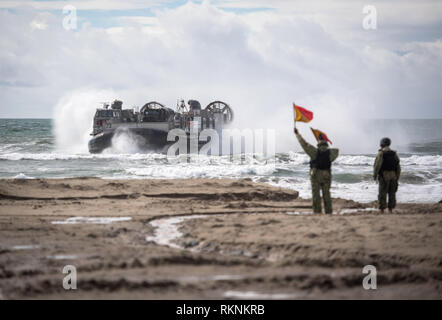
column 385, row 142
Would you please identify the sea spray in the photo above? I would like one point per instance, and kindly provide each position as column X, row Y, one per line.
column 73, row 116
column 336, row 115
column 125, row 142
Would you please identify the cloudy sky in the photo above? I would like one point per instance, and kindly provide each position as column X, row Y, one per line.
column 258, row 55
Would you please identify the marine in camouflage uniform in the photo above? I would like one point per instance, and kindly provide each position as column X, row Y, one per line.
column 387, row 170
column 320, row 172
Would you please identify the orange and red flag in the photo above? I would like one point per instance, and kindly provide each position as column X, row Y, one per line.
column 319, row 135
column 302, row 114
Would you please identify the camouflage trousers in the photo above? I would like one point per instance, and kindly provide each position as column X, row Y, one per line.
column 321, row 181
column 388, row 186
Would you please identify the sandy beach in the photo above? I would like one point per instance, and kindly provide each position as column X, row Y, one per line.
column 208, row 239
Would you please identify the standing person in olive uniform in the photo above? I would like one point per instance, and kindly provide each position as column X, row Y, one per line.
column 387, row 170
column 320, row 171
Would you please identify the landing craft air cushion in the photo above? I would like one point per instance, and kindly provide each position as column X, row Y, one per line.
column 148, row 128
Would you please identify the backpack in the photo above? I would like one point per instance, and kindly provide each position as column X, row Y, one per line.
column 389, row 162
column 322, row 160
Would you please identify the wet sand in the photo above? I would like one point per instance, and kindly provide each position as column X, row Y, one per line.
column 227, row 239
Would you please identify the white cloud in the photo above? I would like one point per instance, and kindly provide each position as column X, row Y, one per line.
column 38, row 25
column 84, row 4
column 137, row 20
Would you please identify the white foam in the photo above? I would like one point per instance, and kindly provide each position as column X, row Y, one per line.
column 365, row 191
column 68, row 156
column 96, row 220
column 427, row 160
column 22, row 176
column 354, row 160
column 203, row 167
column 298, row 158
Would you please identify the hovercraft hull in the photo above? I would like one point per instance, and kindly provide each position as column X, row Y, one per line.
column 144, row 139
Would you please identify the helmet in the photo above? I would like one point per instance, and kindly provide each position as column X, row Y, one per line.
column 385, row 142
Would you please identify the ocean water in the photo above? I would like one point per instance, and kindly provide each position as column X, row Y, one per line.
column 28, row 150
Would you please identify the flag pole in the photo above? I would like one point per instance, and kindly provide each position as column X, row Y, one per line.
column 294, row 115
